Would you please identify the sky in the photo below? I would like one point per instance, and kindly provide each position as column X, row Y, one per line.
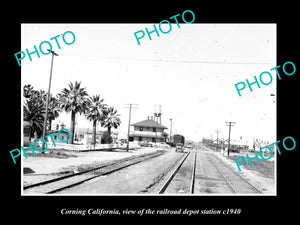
column 190, row 72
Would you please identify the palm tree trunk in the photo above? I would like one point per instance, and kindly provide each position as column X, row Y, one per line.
column 50, row 121
column 109, row 134
column 30, row 135
column 72, row 126
column 94, row 132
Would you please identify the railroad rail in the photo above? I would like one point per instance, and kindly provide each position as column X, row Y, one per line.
column 235, row 181
column 185, row 169
column 64, row 182
column 175, row 171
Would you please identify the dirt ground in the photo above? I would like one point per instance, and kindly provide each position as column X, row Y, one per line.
column 262, row 175
column 56, row 163
column 140, row 178
column 61, row 162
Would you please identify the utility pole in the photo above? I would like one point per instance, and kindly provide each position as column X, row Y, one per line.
column 171, row 123
column 130, row 107
column 157, row 115
column 229, row 124
column 47, row 100
column 217, row 138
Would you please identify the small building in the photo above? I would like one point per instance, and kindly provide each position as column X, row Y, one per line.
column 63, row 135
column 237, row 145
column 85, row 136
column 149, row 131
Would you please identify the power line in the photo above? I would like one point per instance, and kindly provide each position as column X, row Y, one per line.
column 172, row 60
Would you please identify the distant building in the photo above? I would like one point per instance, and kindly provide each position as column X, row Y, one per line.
column 63, row 135
column 148, row 130
column 238, row 145
column 85, row 135
column 26, row 132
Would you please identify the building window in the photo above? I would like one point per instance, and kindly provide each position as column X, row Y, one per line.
column 154, row 129
column 141, row 128
column 140, row 138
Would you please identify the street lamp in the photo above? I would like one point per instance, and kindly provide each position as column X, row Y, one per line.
column 48, row 95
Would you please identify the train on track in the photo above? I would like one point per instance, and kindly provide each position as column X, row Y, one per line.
column 178, row 142
column 177, row 138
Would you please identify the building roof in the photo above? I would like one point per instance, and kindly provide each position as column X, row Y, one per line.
column 148, row 123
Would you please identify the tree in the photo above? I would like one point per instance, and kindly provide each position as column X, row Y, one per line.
column 53, row 110
column 34, row 110
column 106, row 138
column 27, row 90
column 95, row 113
column 75, row 100
column 34, row 113
column 112, row 119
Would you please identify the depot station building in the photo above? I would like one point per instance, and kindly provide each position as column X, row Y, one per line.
column 148, row 130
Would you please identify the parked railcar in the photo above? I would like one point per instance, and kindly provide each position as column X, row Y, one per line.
column 178, row 141
column 177, row 138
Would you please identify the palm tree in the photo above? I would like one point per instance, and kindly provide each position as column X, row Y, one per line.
column 74, row 100
column 27, row 90
column 112, row 119
column 53, row 110
column 95, row 113
column 33, row 111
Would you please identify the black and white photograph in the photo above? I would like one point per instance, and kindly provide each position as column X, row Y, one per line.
column 167, row 116
column 149, row 111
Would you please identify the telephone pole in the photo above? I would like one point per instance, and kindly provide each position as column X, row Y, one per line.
column 217, row 138
column 130, row 107
column 47, row 99
column 171, row 123
column 229, row 124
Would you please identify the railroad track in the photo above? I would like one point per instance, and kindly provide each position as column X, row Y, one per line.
column 61, row 183
column 176, row 181
column 184, row 175
column 237, row 183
